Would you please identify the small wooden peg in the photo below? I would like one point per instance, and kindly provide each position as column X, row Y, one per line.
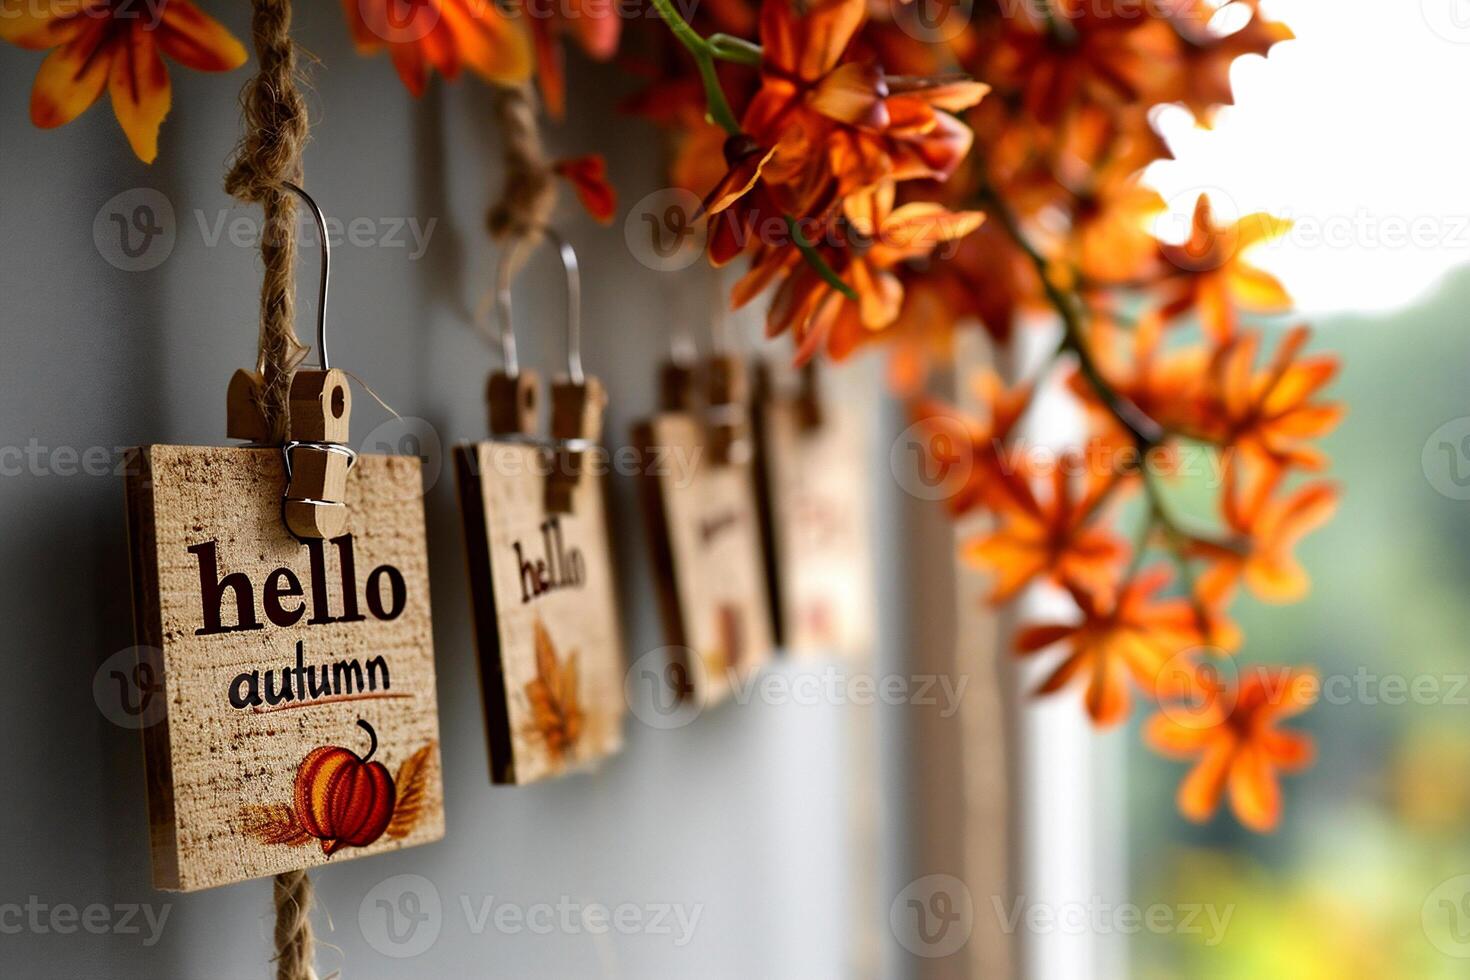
column 321, row 404
column 676, row 387
column 513, row 402
column 809, row 398
column 729, row 435
column 576, row 416
column 243, row 418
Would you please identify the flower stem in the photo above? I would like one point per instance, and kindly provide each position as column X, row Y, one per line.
column 815, row 260
column 1145, row 431
column 727, row 47
column 704, row 54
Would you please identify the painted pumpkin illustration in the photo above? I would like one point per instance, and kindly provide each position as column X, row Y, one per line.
column 342, row 799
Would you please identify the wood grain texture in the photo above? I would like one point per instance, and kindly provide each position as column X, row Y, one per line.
column 502, row 490
column 704, row 533
column 216, row 770
column 815, row 514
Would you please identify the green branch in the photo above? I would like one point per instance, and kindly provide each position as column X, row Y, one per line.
column 727, row 47
column 704, row 54
column 1145, row 431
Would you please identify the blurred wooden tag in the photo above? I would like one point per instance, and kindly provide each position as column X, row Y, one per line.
column 705, row 534
column 815, row 509
column 301, row 724
column 546, row 617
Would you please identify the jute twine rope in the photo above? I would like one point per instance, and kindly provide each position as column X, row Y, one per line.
column 293, row 927
column 528, row 194
column 268, row 154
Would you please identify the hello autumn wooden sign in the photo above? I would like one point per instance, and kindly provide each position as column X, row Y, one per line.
column 301, row 723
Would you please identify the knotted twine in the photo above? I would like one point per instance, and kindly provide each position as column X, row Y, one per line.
column 268, row 155
column 528, row 194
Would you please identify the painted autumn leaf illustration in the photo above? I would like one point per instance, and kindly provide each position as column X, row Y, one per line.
column 343, row 800
column 557, row 719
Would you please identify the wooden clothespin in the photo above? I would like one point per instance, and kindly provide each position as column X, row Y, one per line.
column 243, row 418
column 513, row 401
column 728, row 410
column 577, row 400
column 676, row 387
column 317, row 455
column 576, row 426
column 809, row 398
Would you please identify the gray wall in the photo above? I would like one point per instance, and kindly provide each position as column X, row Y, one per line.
column 746, row 815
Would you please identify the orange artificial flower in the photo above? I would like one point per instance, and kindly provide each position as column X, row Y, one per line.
column 1269, row 415
column 1203, row 84
column 1267, row 529
column 117, row 45
column 1064, row 54
column 1238, row 746
column 588, row 176
column 1167, row 386
column 1134, row 636
column 1213, row 277
column 1111, row 240
column 441, row 34
column 1055, row 538
column 596, row 26
column 883, row 236
column 958, row 442
column 817, row 118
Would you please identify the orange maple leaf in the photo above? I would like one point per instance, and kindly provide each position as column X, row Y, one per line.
column 556, row 711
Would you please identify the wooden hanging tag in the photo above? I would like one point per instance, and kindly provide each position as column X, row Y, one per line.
column 317, row 455
column 728, row 410
column 544, row 603
column 813, row 459
column 704, row 533
column 300, row 723
column 541, row 571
